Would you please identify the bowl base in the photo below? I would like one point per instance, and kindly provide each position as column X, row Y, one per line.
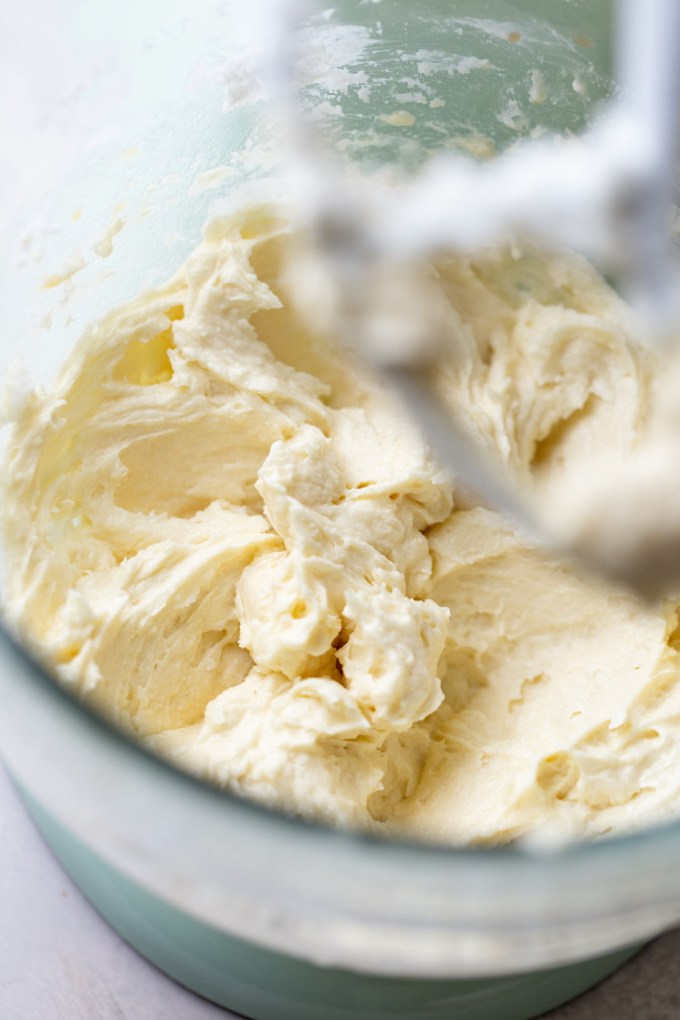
column 265, row 985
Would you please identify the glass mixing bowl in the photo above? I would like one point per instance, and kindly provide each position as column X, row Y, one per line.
column 160, row 124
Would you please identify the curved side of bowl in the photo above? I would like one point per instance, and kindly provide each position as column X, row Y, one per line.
column 266, row 985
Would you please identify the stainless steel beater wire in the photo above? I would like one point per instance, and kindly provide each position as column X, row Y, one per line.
column 456, row 450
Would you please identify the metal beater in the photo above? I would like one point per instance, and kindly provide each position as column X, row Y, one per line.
column 607, row 194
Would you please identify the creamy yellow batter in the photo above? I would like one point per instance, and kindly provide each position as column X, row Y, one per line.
column 226, row 536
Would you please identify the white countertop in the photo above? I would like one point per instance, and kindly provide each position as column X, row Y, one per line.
column 60, row 961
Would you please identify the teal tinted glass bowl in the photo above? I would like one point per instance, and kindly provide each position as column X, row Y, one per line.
column 270, row 915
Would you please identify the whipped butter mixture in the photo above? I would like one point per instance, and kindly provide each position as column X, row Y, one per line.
column 226, row 536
